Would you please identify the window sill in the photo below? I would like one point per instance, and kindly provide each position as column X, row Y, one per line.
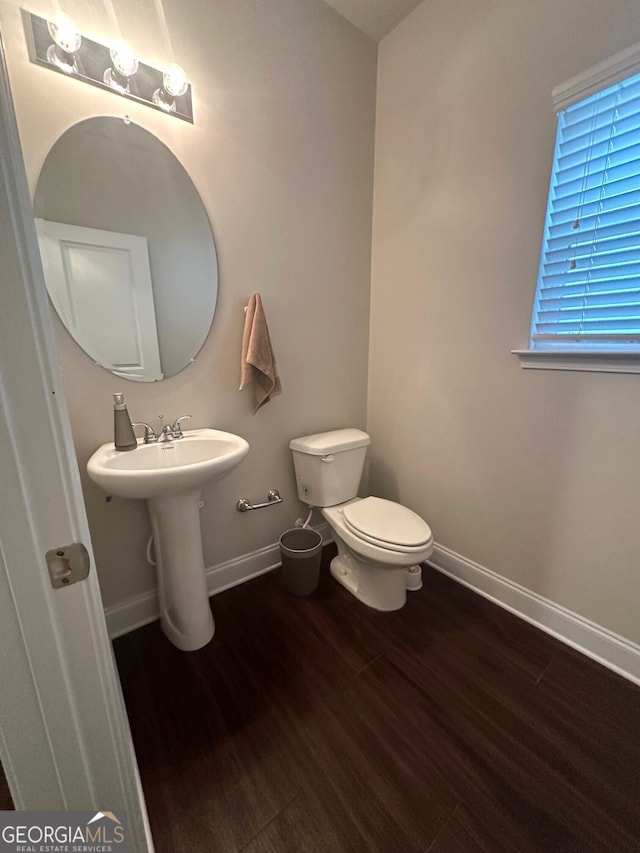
column 598, row 362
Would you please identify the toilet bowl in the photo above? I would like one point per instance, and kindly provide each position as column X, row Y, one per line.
column 372, row 568
column 377, row 539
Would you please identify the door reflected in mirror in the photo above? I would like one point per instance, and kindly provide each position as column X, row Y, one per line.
column 127, row 249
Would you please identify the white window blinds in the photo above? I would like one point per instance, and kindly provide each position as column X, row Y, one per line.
column 588, row 294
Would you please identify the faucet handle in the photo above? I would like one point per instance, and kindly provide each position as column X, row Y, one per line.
column 149, row 434
column 176, row 429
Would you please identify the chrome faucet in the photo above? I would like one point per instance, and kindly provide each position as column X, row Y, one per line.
column 169, row 433
column 166, row 434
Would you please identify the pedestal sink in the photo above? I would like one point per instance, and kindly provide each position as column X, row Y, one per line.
column 170, row 475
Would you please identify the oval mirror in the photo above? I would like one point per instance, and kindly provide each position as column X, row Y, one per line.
column 127, row 249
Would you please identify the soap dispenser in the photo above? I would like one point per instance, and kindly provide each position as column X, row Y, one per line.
column 124, row 436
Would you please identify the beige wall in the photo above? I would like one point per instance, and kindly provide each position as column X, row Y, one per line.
column 282, row 154
column 533, row 474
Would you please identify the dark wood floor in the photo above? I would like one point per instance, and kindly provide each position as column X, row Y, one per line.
column 316, row 724
column 6, row 803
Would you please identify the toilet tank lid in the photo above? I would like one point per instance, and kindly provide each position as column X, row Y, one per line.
column 323, row 443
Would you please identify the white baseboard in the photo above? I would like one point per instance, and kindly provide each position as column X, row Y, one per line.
column 615, row 652
column 139, row 610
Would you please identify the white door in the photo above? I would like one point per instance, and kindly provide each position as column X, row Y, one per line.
column 100, row 285
column 64, row 735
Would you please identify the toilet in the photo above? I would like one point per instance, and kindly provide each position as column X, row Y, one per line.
column 377, row 539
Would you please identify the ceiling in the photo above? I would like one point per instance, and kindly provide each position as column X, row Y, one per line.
column 376, row 18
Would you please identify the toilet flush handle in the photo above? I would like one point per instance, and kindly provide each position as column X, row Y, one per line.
column 329, row 458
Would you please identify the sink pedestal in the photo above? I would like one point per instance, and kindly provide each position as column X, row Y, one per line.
column 185, row 614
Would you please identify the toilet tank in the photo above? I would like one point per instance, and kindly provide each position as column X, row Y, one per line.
column 329, row 465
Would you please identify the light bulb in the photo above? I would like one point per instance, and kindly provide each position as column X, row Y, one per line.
column 125, row 65
column 64, row 34
column 175, row 80
column 124, row 61
column 67, row 41
column 174, row 84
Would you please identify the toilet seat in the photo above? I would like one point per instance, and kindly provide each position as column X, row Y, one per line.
column 387, row 524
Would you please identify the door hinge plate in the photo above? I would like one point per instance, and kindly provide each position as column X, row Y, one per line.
column 68, row 565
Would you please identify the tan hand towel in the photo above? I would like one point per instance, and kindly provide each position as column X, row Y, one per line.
column 258, row 361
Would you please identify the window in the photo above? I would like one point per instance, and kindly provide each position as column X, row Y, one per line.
column 586, row 313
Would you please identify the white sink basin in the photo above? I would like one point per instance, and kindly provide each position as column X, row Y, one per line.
column 170, row 475
column 167, row 468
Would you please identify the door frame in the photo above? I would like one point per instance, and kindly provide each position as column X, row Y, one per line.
column 65, row 742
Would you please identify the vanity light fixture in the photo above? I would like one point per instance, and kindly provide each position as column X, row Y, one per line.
column 57, row 45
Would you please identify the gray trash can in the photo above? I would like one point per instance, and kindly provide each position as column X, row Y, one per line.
column 301, row 550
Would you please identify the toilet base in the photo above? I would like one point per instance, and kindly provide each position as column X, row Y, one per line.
column 379, row 587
